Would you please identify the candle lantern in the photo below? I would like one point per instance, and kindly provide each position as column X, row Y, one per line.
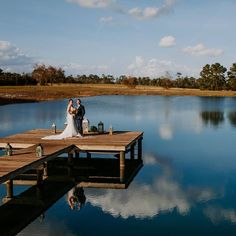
column 111, row 130
column 54, row 128
column 39, row 151
column 85, row 125
column 8, row 149
column 100, row 127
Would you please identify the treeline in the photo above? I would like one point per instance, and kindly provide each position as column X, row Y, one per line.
column 7, row 78
column 212, row 77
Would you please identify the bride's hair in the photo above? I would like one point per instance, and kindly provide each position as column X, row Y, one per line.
column 70, row 100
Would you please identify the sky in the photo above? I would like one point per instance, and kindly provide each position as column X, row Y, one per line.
column 117, row 37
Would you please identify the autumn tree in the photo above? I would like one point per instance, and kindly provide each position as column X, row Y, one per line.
column 130, row 81
column 44, row 75
column 166, row 80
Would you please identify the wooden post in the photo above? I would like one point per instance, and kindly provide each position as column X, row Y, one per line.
column 88, row 155
column 122, row 166
column 39, row 175
column 9, row 185
column 132, row 151
column 45, row 169
column 70, row 158
column 140, row 149
column 41, row 217
column 70, row 164
column 77, row 154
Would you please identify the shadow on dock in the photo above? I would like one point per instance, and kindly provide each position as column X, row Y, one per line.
column 62, row 176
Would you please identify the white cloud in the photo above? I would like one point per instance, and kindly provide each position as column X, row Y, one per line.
column 13, row 59
column 76, row 68
column 155, row 67
column 148, row 12
column 106, row 19
column 201, row 50
column 91, row 3
column 217, row 214
column 167, row 41
column 139, row 13
column 151, row 12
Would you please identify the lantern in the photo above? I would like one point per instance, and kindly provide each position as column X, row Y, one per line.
column 111, row 130
column 54, row 128
column 85, row 125
column 100, row 127
column 8, row 149
column 39, row 151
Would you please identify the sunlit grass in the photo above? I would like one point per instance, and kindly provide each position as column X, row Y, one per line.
column 59, row 91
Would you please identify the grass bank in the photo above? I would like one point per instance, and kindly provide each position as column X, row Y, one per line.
column 14, row 94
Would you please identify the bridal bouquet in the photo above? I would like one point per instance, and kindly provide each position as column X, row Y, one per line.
column 73, row 111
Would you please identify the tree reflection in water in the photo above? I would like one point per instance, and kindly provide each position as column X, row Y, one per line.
column 232, row 118
column 214, row 118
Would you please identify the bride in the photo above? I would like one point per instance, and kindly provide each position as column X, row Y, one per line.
column 71, row 129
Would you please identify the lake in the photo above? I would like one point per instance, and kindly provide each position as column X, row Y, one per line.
column 187, row 183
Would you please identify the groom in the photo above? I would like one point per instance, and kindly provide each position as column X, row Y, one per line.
column 79, row 116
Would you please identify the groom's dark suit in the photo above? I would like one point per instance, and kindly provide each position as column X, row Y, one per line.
column 79, row 118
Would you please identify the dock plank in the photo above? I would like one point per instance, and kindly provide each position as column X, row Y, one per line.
column 119, row 141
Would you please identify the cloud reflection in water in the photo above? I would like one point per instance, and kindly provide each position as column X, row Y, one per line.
column 145, row 200
column 218, row 214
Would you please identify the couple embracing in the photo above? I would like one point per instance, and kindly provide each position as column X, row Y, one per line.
column 74, row 119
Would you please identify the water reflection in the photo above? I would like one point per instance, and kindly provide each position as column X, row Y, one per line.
column 166, row 132
column 189, row 173
column 50, row 227
column 164, row 194
column 63, row 178
column 232, row 118
column 212, row 103
column 76, row 198
column 214, row 118
column 218, row 214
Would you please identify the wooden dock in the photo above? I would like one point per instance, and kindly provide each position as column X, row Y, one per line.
column 119, row 144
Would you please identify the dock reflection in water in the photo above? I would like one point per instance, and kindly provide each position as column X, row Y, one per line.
column 17, row 213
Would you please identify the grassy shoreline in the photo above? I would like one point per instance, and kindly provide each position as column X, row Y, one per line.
column 19, row 94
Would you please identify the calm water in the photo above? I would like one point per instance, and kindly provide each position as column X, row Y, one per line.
column 187, row 185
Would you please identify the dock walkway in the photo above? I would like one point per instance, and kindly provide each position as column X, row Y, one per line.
column 119, row 143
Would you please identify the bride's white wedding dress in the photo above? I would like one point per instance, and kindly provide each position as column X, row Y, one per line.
column 70, row 130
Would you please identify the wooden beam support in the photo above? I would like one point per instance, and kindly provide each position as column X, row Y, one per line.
column 77, row 153
column 39, row 172
column 70, row 164
column 70, row 158
column 45, row 170
column 132, row 151
column 9, row 186
column 122, row 166
column 88, row 155
column 140, row 148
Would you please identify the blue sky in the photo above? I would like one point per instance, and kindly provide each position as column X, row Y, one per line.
column 132, row 37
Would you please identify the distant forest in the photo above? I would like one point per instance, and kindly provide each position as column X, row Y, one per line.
column 212, row 77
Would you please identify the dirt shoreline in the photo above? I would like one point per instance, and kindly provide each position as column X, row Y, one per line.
column 24, row 94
